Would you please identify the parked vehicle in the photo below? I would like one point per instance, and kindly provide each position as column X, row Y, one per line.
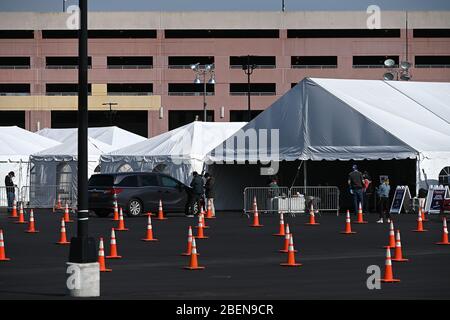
column 137, row 193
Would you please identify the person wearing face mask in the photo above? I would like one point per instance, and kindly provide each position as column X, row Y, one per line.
column 10, row 192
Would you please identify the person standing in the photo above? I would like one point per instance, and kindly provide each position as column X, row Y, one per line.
column 210, row 192
column 10, row 192
column 356, row 183
column 367, row 191
column 383, row 193
column 197, row 192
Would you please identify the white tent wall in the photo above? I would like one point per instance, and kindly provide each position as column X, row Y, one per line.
column 430, row 165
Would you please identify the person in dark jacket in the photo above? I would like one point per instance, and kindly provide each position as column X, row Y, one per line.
column 10, row 192
column 210, row 192
column 197, row 191
column 356, row 183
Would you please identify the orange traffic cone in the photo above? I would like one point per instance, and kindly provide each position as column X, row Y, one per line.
column 63, row 236
column 21, row 215
column 281, row 232
column 209, row 214
column 360, row 219
column 101, row 257
column 419, row 224
column 116, row 212
column 286, row 240
column 391, row 244
column 312, row 218
column 66, row 214
column 149, row 236
column 291, row 256
column 160, row 212
column 348, row 225
column 14, row 210
column 193, row 265
column 189, row 244
column 388, row 274
column 255, row 215
column 444, row 232
column 202, row 214
column 398, row 256
column 121, row 222
column 113, row 247
column 422, row 213
column 58, row 204
column 200, row 234
column 2, row 248
column 31, row 226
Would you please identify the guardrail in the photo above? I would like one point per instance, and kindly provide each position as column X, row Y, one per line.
column 37, row 196
column 291, row 200
column 4, row 196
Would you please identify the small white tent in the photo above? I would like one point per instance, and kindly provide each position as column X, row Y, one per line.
column 16, row 145
column 54, row 170
column 178, row 152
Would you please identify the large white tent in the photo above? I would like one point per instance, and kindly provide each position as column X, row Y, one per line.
column 114, row 136
column 53, row 171
column 16, row 145
column 336, row 119
column 178, row 152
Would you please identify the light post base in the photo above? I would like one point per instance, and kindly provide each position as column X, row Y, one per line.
column 83, row 279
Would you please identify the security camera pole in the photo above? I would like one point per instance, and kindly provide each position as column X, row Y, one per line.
column 84, row 279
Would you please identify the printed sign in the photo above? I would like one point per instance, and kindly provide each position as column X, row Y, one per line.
column 434, row 198
column 402, row 199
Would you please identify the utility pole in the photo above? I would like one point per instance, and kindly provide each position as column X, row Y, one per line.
column 248, row 70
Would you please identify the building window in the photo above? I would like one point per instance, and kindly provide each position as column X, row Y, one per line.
column 190, row 89
column 64, row 62
column 178, row 118
column 444, row 177
column 185, row 62
column 130, row 62
column 314, row 62
column 100, row 34
column 432, row 61
column 12, row 118
column 343, row 33
column 221, row 33
column 14, row 62
column 14, row 89
column 260, row 62
column 63, row 89
column 431, row 33
column 242, row 115
column 256, row 89
column 130, row 89
column 16, row 34
column 372, row 61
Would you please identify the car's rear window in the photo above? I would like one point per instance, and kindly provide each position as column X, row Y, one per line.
column 128, row 181
column 101, row 180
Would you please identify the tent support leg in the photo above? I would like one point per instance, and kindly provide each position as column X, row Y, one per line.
column 304, row 173
column 417, row 176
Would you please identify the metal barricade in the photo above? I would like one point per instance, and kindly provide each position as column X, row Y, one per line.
column 37, row 196
column 4, row 196
column 323, row 198
column 267, row 199
column 292, row 200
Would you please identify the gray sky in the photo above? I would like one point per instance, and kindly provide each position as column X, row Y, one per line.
column 232, row 5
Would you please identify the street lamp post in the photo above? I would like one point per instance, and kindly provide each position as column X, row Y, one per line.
column 248, row 70
column 83, row 266
column 206, row 71
column 110, row 104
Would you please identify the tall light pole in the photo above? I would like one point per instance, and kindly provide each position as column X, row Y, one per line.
column 82, row 256
column 248, row 70
column 206, row 71
column 110, row 104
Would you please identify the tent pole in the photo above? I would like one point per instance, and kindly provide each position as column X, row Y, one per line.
column 417, row 175
column 304, row 174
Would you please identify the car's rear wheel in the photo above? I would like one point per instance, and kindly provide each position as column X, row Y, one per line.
column 135, row 208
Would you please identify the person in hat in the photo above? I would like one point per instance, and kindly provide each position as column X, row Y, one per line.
column 356, row 183
column 10, row 191
column 210, row 192
column 197, row 192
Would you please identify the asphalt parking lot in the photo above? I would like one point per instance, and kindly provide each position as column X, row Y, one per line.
column 241, row 262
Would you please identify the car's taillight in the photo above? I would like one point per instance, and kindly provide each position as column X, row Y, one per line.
column 114, row 191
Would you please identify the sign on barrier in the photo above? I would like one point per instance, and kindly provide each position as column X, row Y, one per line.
column 435, row 196
column 402, row 199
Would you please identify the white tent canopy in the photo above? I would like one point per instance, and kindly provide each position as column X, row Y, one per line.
column 114, row 136
column 335, row 119
column 16, row 145
column 178, row 152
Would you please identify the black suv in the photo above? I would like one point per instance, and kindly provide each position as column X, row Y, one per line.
column 137, row 193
